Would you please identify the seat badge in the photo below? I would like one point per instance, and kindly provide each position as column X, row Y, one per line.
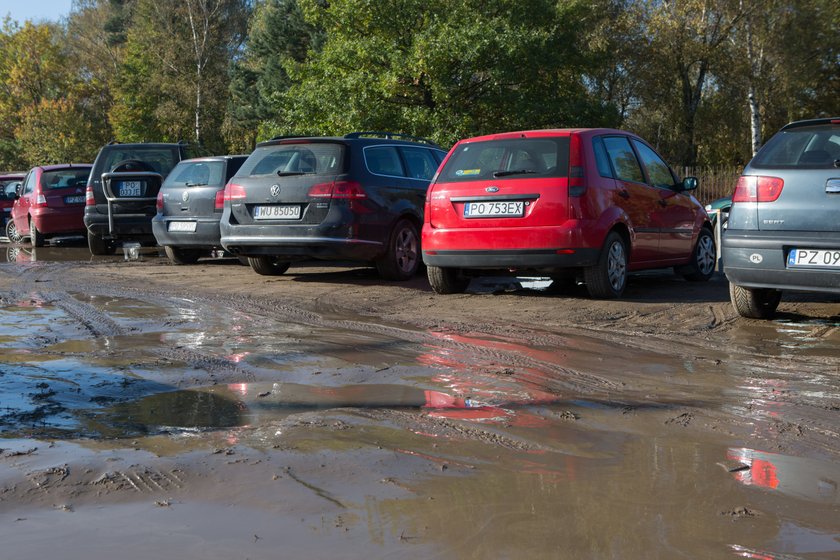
column 492, row 189
column 275, row 190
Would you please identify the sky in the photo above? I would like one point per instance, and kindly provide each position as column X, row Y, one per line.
column 35, row 10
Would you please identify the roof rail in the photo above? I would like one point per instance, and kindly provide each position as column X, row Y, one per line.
column 390, row 136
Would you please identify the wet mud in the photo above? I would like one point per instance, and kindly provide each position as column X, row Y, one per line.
column 206, row 412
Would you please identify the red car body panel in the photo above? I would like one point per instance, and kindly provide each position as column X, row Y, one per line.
column 57, row 213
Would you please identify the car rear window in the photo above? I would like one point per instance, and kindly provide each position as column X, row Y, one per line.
column 160, row 160
column 315, row 158
column 515, row 158
column 806, row 147
column 196, row 173
column 66, row 178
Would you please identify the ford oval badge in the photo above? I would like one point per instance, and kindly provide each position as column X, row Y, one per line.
column 492, row 189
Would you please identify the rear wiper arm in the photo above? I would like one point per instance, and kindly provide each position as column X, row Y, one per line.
column 513, row 172
column 292, row 173
column 188, row 184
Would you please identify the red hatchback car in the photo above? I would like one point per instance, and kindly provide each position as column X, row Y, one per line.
column 578, row 205
column 51, row 202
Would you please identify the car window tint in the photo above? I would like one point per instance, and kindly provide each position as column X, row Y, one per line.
column 658, row 171
column 420, row 162
column 10, row 189
column 517, row 157
column 384, row 160
column 623, row 159
column 160, row 160
column 806, row 147
column 29, row 185
column 67, row 178
column 319, row 158
column 601, row 158
column 196, row 173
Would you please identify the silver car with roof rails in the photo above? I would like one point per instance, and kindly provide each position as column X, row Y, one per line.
column 783, row 231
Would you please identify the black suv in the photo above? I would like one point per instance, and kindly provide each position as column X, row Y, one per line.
column 122, row 191
column 358, row 197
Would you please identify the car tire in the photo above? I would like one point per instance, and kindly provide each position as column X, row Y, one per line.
column 446, row 280
column 36, row 237
column 754, row 303
column 243, row 260
column 99, row 246
column 402, row 255
column 608, row 278
column 702, row 265
column 12, row 232
column 268, row 266
column 182, row 256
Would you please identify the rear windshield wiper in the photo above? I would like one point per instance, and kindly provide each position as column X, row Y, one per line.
column 292, row 173
column 513, row 172
column 188, row 184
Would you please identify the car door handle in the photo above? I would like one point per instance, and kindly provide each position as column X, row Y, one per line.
column 624, row 194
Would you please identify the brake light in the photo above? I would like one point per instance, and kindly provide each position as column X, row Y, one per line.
column 754, row 188
column 233, row 192
column 159, row 202
column 577, row 186
column 220, row 200
column 338, row 189
column 89, row 200
column 40, row 200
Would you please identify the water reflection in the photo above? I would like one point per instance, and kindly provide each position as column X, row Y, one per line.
column 782, row 473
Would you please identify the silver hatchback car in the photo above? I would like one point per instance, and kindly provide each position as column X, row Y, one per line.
column 784, row 224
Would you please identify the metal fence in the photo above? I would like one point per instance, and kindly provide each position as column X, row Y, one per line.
column 714, row 182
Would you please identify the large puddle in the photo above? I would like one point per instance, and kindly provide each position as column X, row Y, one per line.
column 314, row 439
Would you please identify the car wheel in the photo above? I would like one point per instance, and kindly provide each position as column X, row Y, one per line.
column 608, row 278
column 182, row 256
column 35, row 236
column 402, row 256
column 12, row 232
column 702, row 264
column 268, row 266
column 99, row 246
column 243, row 260
column 446, row 280
column 754, row 303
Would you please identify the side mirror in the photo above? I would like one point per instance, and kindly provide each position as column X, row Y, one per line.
column 689, row 184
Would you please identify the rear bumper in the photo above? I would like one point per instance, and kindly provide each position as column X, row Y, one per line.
column 58, row 220
column 206, row 233
column 298, row 248
column 135, row 227
column 512, row 258
column 759, row 260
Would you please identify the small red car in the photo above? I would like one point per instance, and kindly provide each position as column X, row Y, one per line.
column 577, row 205
column 51, row 202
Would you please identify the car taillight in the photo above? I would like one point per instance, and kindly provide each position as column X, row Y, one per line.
column 233, row 192
column 220, row 200
column 577, row 186
column 89, row 200
column 338, row 189
column 159, row 202
column 40, row 200
column 754, row 188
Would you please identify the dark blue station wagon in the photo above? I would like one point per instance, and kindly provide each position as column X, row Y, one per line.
column 357, row 197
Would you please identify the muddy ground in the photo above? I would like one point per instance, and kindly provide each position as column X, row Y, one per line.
column 151, row 410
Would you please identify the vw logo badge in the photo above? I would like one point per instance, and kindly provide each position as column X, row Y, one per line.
column 275, row 190
column 492, row 189
column 185, row 196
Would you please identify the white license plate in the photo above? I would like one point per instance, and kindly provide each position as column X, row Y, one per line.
column 181, row 226
column 492, row 209
column 74, row 199
column 814, row 258
column 130, row 188
column 277, row 212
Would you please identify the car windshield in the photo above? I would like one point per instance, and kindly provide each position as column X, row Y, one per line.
column 512, row 158
column 195, row 173
column 159, row 160
column 66, row 178
column 806, row 147
column 318, row 158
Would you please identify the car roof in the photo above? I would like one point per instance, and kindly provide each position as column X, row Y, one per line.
column 811, row 122
column 13, row 175
column 144, row 145
column 213, row 158
column 545, row 133
column 364, row 138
